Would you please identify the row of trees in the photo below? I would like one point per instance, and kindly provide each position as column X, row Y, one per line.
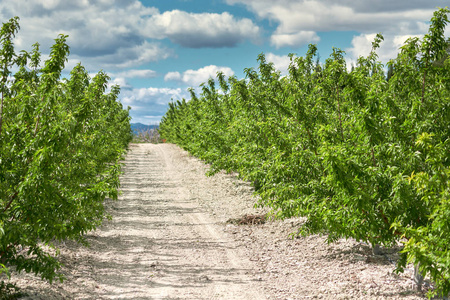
column 61, row 142
column 359, row 155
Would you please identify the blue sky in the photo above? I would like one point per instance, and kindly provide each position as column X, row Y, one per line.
column 156, row 49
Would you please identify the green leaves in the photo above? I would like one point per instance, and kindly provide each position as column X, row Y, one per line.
column 429, row 244
column 60, row 149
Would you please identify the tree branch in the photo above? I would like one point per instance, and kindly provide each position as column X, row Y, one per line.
column 11, row 201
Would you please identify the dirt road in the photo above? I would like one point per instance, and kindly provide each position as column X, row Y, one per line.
column 167, row 246
column 169, row 239
column 160, row 244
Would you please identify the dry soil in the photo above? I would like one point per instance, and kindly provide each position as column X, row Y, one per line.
column 177, row 234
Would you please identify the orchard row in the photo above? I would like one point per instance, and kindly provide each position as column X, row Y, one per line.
column 61, row 142
column 358, row 153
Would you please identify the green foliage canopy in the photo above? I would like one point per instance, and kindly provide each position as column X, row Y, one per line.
column 61, row 142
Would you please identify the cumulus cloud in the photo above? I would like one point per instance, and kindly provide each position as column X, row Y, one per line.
column 202, row 30
column 100, row 32
column 196, row 77
column 298, row 21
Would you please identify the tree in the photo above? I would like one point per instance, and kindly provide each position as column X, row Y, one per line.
column 60, row 149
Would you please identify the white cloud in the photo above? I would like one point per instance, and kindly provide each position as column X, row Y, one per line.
column 101, row 33
column 94, row 28
column 152, row 95
column 195, row 77
column 323, row 15
column 281, row 63
column 201, row 30
column 175, row 76
column 361, row 45
column 136, row 56
column 401, row 17
column 294, row 40
column 124, row 58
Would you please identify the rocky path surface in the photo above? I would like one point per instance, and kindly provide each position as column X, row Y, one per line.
column 175, row 234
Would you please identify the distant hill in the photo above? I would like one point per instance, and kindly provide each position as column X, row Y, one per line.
column 137, row 127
